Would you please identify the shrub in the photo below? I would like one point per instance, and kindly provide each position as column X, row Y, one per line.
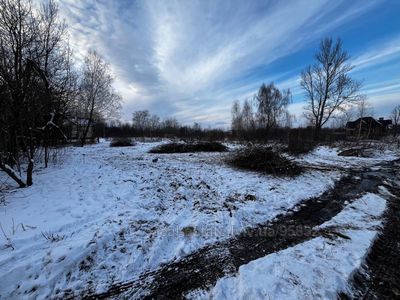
column 190, row 147
column 264, row 160
column 121, row 142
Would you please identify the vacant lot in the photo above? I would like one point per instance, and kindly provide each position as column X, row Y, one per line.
column 108, row 215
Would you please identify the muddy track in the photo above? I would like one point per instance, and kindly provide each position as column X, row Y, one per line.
column 379, row 275
column 204, row 267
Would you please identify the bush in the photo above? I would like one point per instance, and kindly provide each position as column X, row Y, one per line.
column 264, row 160
column 121, row 142
column 190, row 147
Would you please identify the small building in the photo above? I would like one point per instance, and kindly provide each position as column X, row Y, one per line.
column 367, row 128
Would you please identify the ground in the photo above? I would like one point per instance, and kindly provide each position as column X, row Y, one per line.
column 105, row 217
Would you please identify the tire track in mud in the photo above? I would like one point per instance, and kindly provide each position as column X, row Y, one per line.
column 378, row 277
column 205, row 266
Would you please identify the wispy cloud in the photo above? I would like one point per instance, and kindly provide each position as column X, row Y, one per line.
column 377, row 54
column 190, row 58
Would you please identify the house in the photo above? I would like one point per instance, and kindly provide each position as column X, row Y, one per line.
column 367, row 128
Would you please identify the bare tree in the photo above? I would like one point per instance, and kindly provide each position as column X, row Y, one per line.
column 196, row 126
column 272, row 105
column 170, row 124
column 396, row 119
column 98, row 97
column 364, row 108
column 344, row 117
column 32, row 76
column 154, row 122
column 237, row 120
column 327, row 84
column 247, row 116
column 287, row 120
column 141, row 120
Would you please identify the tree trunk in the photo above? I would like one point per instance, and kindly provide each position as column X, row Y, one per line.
column 84, row 134
column 29, row 172
column 89, row 123
column 317, row 133
column 10, row 172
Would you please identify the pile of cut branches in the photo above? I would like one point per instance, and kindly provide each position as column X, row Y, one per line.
column 121, row 142
column 264, row 160
column 190, row 147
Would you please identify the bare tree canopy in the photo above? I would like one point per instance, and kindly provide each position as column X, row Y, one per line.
column 248, row 116
column 237, row 120
column 327, row 84
column 36, row 83
column 364, row 108
column 97, row 95
column 142, row 120
column 40, row 91
column 272, row 105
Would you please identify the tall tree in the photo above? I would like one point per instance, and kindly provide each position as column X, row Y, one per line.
column 237, row 120
column 272, row 105
column 247, row 116
column 97, row 95
column 327, row 84
column 141, row 120
column 32, row 76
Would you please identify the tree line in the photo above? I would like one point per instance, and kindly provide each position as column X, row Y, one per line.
column 330, row 94
column 145, row 124
column 42, row 88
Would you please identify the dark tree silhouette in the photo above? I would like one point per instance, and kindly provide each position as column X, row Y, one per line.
column 328, row 85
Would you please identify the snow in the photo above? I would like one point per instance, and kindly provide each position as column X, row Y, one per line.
column 108, row 214
column 112, row 213
column 327, row 156
column 316, row 269
column 12, row 171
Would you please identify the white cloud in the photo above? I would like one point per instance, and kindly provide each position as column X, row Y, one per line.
column 187, row 58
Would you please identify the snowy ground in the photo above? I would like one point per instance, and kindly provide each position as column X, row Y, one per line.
column 108, row 214
column 316, row 269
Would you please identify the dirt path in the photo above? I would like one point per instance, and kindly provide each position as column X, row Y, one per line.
column 205, row 266
column 379, row 276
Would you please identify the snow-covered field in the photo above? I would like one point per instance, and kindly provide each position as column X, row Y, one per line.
column 108, row 214
column 316, row 269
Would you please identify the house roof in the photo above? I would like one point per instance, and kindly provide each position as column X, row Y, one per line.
column 368, row 120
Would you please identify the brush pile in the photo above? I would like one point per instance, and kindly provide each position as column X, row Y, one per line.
column 264, row 160
column 190, row 147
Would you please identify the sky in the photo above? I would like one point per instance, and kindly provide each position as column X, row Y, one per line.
column 191, row 59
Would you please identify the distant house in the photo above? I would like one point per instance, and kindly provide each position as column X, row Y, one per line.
column 367, row 128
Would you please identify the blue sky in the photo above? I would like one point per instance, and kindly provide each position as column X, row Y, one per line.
column 192, row 59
